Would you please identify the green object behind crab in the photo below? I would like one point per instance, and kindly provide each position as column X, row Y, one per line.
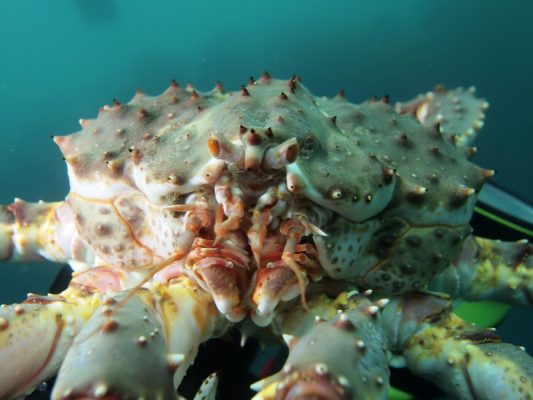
column 397, row 394
column 484, row 314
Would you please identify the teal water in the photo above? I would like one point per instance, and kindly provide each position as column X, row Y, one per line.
column 60, row 60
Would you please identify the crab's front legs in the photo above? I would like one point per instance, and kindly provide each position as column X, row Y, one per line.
column 230, row 201
column 467, row 362
column 490, row 269
column 33, row 231
column 139, row 348
column 336, row 351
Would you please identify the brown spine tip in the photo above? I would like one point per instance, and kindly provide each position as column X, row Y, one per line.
column 135, row 155
column 417, row 194
column 292, row 84
column 219, row 87
column 174, row 84
column 440, row 88
column 435, row 150
column 174, row 179
column 460, row 195
column 283, row 96
column 253, row 138
column 371, row 311
column 470, row 151
column 116, row 103
column 242, row 129
column 385, row 99
column 75, row 163
column 268, row 132
column 251, row 81
column 488, row 173
column 244, row 91
column 265, row 76
column 454, row 139
column 344, row 323
column 334, row 120
column 194, row 94
column 141, row 341
column 109, row 326
column 405, row 141
column 388, row 174
column 341, row 94
column 143, row 113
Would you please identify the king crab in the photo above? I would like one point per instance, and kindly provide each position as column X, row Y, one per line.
column 343, row 228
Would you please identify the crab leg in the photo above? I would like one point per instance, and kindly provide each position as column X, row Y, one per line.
column 490, row 269
column 465, row 361
column 37, row 231
column 35, row 336
column 140, row 348
column 336, row 351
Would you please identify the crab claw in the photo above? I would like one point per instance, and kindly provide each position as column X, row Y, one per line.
column 330, row 358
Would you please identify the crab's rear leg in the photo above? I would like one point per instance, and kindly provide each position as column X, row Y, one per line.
column 490, row 269
column 337, row 351
column 36, row 231
column 465, row 361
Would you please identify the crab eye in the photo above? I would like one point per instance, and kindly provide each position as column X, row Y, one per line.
column 335, row 193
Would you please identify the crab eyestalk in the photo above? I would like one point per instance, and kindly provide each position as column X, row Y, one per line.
column 280, row 156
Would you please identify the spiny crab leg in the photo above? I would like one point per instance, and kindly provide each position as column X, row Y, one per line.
column 158, row 330
column 33, row 231
column 490, row 269
column 336, row 352
column 35, row 336
column 467, row 362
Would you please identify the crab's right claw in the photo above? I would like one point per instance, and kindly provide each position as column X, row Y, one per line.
column 339, row 356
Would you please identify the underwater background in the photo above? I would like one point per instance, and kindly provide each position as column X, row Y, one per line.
column 60, row 60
